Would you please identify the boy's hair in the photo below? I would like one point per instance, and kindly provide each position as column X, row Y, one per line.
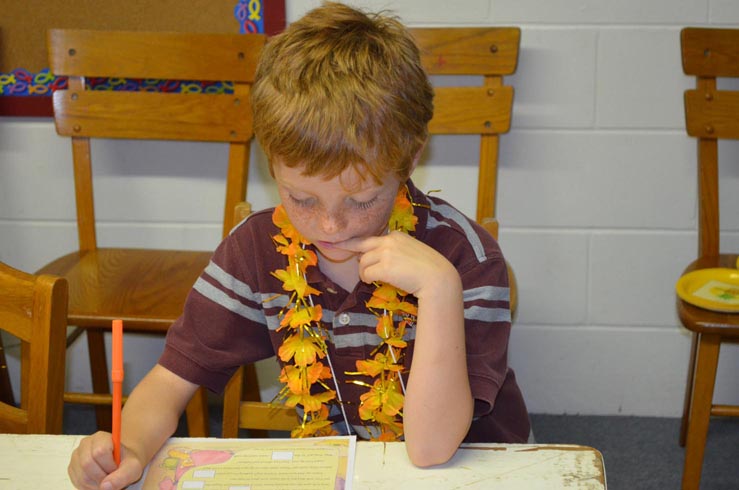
column 339, row 88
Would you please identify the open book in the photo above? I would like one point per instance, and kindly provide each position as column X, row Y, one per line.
column 321, row 463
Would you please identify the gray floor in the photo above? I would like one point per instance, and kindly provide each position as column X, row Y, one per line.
column 640, row 453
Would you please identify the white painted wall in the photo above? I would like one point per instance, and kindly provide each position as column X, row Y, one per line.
column 597, row 197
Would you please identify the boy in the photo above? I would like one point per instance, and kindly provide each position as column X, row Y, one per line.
column 369, row 276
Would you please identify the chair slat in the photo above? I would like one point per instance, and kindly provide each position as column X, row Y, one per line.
column 710, row 52
column 178, row 56
column 268, row 417
column 468, row 51
column 712, row 114
column 111, row 114
column 471, row 110
column 12, row 420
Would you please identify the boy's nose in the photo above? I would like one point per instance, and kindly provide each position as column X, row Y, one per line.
column 331, row 223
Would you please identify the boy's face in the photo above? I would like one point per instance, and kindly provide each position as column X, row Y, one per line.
column 330, row 211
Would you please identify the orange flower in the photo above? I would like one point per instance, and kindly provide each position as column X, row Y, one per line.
column 402, row 217
column 382, row 398
column 301, row 317
column 303, row 350
column 385, row 297
column 293, row 281
column 282, row 221
column 314, row 428
column 310, row 402
column 317, row 426
column 380, row 363
column 299, row 380
column 389, row 334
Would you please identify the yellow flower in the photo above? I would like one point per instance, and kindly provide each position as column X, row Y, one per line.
column 300, row 379
column 314, row 428
column 294, row 281
column 298, row 317
column 310, row 402
column 387, row 332
column 282, row 221
column 317, row 426
column 380, row 363
column 382, row 398
column 385, row 297
column 402, row 217
column 300, row 348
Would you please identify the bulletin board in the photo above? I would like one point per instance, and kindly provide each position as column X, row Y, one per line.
column 25, row 82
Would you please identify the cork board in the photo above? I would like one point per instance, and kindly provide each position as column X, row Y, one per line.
column 23, row 26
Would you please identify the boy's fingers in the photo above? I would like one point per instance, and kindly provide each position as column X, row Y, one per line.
column 128, row 472
column 358, row 245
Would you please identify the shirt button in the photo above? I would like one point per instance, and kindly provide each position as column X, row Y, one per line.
column 344, row 319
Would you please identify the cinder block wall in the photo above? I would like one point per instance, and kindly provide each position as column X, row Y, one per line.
column 597, row 198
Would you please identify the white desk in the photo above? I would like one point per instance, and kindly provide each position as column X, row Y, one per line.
column 40, row 462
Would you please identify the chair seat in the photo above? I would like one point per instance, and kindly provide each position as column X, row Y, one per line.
column 143, row 287
column 702, row 320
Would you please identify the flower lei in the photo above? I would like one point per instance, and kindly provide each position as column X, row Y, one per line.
column 304, row 346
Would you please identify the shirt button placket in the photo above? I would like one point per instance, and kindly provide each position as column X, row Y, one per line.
column 344, row 319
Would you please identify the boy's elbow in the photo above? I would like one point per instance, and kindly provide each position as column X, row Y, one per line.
column 426, row 455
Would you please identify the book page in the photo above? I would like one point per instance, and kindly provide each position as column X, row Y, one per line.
column 321, row 463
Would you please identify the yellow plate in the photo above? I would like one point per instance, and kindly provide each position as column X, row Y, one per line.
column 712, row 289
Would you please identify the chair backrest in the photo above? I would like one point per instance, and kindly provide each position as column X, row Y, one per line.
column 175, row 57
column 33, row 308
column 490, row 52
column 710, row 114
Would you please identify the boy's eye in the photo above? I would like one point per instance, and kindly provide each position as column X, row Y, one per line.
column 303, row 203
column 364, row 204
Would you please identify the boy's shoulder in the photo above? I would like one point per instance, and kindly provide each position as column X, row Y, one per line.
column 257, row 222
column 454, row 234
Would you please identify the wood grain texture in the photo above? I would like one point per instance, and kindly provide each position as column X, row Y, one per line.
column 161, row 55
column 150, row 115
column 468, row 50
column 33, row 309
column 710, row 51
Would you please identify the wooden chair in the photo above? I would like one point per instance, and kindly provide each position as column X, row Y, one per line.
column 143, row 287
column 490, row 52
column 484, row 110
column 247, row 412
column 710, row 115
column 33, row 308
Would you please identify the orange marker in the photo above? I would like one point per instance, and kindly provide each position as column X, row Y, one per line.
column 116, row 375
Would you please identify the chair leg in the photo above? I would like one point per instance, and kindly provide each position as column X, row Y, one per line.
column 6, row 389
column 99, row 374
column 198, row 424
column 251, row 394
column 700, row 411
column 688, row 390
column 231, row 404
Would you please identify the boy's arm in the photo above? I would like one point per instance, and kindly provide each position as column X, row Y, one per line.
column 438, row 405
column 149, row 418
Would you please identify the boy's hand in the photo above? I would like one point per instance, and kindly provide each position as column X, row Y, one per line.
column 92, row 466
column 399, row 259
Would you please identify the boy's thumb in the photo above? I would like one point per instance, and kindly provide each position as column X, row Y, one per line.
column 128, row 472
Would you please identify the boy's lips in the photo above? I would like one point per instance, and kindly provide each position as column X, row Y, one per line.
column 330, row 245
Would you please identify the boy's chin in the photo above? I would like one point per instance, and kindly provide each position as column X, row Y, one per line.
column 336, row 255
